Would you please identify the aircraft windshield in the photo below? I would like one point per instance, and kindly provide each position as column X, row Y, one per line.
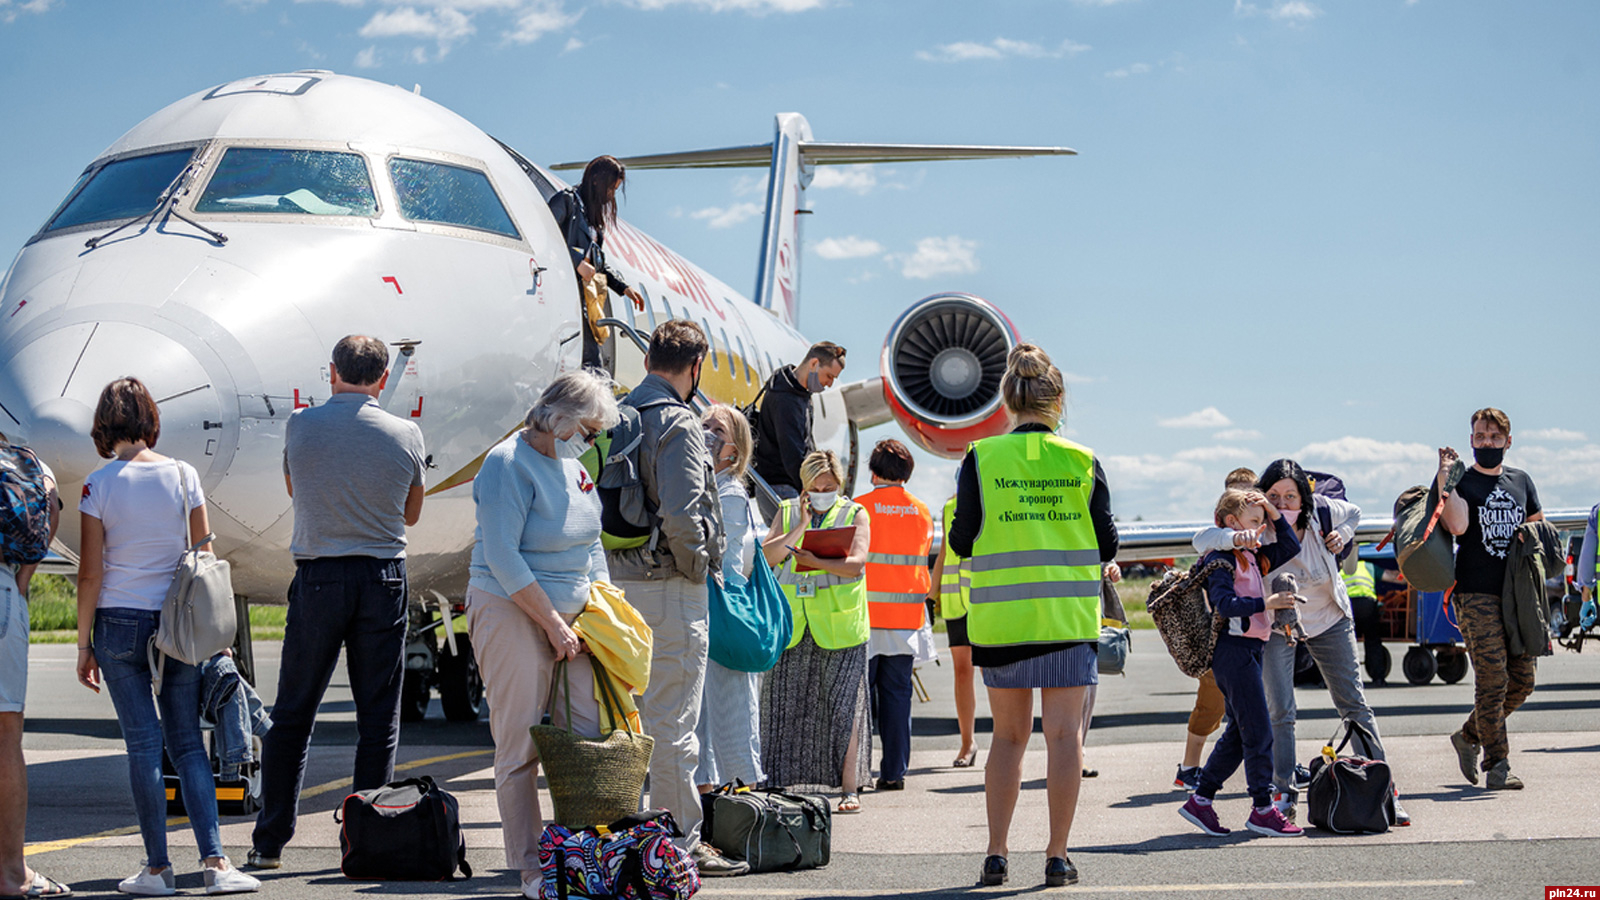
column 121, row 190
column 449, row 195
column 300, row 182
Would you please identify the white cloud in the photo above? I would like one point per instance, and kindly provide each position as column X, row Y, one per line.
column 729, row 216
column 572, row 44
column 446, row 26
column 850, row 247
column 368, row 58
column 1210, row 417
column 1565, row 476
column 1212, row 454
column 1135, row 69
column 1238, row 434
column 1554, row 434
column 937, row 256
column 1000, row 48
column 540, row 19
column 10, row 9
column 859, row 179
column 1294, row 12
column 754, row 7
column 745, row 185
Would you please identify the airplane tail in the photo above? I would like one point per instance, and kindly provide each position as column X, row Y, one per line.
column 791, row 157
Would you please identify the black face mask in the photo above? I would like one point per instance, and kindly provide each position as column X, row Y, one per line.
column 695, row 388
column 1488, row 457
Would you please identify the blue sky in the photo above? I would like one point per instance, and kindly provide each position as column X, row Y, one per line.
column 1317, row 229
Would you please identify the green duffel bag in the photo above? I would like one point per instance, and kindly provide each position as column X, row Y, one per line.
column 1422, row 547
column 771, row 830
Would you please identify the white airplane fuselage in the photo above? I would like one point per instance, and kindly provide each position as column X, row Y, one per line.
column 231, row 337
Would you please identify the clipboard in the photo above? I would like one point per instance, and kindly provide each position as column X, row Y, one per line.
column 827, row 543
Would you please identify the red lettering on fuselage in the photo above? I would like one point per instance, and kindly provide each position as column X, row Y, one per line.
column 656, row 262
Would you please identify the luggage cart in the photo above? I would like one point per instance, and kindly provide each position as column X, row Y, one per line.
column 1422, row 619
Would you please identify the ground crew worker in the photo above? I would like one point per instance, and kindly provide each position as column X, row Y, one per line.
column 814, row 725
column 1033, row 511
column 898, row 586
column 1368, row 615
column 952, row 576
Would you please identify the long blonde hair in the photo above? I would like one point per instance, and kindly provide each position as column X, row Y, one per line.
column 1032, row 384
column 738, row 428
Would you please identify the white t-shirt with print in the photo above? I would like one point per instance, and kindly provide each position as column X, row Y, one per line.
column 147, row 529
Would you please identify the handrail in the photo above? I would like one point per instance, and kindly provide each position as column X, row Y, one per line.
column 767, row 498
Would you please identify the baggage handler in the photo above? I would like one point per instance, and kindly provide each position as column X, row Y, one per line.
column 897, row 593
column 1033, row 511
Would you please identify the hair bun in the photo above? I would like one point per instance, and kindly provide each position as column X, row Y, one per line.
column 1028, row 361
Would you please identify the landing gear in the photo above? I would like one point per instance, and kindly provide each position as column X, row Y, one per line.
column 430, row 665
column 460, row 684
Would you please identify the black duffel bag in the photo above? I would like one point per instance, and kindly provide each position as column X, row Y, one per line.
column 404, row 831
column 1350, row 794
column 771, row 830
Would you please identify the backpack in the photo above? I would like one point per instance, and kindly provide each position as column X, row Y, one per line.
column 404, row 831
column 627, row 514
column 633, row 857
column 1184, row 616
column 1324, row 486
column 752, row 414
column 24, row 507
column 1425, row 552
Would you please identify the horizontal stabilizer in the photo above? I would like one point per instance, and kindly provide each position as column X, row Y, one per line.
column 825, row 153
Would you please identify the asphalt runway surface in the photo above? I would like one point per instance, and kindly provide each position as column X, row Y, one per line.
column 928, row 841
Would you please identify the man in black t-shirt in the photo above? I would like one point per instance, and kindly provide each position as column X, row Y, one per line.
column 1484, row 512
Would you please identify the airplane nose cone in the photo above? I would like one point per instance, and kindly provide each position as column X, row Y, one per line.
column 59, row 433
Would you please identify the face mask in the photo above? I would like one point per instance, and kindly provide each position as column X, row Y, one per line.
column 713, row 444
column 822, row 501
column 814, row 382
column 1489, row 457
column 1292, row 516
column 573, row 447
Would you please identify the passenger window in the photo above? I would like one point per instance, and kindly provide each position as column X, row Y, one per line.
column 302, row 182
column 120, row 190
column 667, row 305
column 743, row 356
column 449, row 195
column 711, row 339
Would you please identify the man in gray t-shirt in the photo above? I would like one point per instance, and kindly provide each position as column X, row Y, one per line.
column 356, row 475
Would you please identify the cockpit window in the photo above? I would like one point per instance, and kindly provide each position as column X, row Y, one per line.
column 449, row 195
column 301, row 182
column 121, row 189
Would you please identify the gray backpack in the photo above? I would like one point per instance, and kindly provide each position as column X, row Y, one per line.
column 1425, row 552
column 627, row 516
column 198, row 618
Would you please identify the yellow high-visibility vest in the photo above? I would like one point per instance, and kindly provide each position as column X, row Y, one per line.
column 836, row 608
column 957, row 579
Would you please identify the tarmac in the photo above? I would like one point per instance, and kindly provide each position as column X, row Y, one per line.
column 928, row 841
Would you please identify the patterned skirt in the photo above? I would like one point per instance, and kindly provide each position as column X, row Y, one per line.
column 1074, row 666
column 729, row 729
column 811, row 701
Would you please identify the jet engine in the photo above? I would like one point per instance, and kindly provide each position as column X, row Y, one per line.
column 941, row 368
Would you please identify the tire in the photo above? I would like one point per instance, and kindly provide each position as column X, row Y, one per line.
column 1452, row 666
column 1379, row 665
column 460, row 685
column 413, row 696
column 1419, row 665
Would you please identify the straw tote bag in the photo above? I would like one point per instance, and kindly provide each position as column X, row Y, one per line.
column 593, row 781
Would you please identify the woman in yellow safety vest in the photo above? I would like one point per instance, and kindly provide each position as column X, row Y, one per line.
column 814, row 728
column 1033, row 513
column 951, row 575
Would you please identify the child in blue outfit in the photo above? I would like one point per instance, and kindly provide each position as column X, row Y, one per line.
column 1238, row 594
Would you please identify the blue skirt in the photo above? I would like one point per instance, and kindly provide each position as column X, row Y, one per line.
column 1075, row 666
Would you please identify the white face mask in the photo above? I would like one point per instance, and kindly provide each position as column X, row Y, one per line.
column 822, row 501
column 573, row 447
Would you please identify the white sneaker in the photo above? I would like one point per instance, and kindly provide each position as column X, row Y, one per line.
column 147, row 885
column 230, row 881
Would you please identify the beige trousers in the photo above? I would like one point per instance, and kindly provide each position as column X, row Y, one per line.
column 678, row 614
column 518, row 668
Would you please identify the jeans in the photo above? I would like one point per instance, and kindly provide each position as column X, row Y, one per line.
column 121, row 637
column 1335, row 653
column 1249, row 738
column 889, row 689
column 359, row 603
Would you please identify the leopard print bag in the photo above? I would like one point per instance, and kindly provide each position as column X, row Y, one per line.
column 1184, row 618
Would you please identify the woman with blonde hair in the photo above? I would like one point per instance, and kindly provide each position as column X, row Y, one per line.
column 814, row 727
column 1033, row 513
column 730, row 705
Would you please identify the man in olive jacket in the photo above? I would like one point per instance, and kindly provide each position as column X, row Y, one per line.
column 666, row 578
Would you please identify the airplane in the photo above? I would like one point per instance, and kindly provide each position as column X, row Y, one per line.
column 219, row 249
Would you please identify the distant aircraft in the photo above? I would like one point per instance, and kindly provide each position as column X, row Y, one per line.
column 222, row 246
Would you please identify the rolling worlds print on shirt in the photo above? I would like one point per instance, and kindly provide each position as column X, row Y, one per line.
column 1498, row 518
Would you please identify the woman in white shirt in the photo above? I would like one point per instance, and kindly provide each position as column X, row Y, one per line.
column 140, row 512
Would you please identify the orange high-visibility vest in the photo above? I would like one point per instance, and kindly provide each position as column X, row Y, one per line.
column 898, row 582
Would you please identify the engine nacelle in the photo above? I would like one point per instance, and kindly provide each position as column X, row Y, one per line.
column 941, row 367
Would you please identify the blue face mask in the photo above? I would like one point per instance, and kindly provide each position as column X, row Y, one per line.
column 573, row 447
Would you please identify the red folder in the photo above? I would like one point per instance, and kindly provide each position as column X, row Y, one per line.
column 826, row 543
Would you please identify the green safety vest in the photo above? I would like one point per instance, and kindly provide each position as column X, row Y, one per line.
column 957, row 581
column 837, row 610
column 1360, row 583
column 1036, row 561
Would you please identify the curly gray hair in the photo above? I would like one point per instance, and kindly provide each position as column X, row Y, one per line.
column 572, row 398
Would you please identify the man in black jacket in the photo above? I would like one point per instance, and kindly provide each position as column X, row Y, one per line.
column 783, row 430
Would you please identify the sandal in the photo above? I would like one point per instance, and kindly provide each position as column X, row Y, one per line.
column 849, row 802
column 966, row 762
column 44, row 886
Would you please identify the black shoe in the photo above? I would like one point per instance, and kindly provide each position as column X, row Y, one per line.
column 1059, row 871
column 887, row 785
column 1091, row 773
column 994, row 870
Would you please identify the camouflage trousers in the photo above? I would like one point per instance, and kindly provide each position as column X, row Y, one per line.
column 1503, row 681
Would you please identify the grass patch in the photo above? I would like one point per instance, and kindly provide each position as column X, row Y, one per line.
column 1134, row 593
column 53, row 613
